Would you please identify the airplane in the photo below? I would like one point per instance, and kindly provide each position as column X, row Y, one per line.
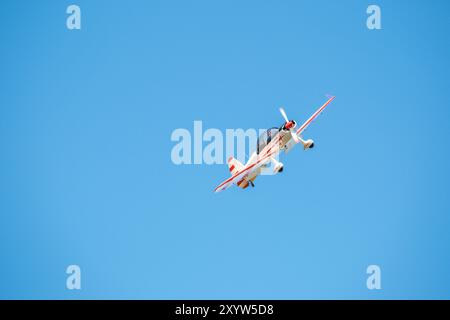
column 269, row 144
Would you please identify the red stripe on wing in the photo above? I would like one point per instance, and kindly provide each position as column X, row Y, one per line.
column 307, row 122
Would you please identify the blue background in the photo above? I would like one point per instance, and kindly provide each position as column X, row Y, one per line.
column 86, row 176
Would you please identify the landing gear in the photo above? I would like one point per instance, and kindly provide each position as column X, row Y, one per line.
column 278, row 166
column 252, row 184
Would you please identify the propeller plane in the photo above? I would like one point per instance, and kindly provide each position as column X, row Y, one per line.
column 269, row 144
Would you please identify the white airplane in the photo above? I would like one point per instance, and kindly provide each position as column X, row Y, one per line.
column 270, row 143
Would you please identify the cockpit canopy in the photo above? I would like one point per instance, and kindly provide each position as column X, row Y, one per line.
column 265, row 138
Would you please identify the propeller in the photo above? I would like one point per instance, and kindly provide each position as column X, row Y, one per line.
column 283, row 113
column 290, row 124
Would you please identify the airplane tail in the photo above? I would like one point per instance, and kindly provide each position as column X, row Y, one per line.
column 234, row 165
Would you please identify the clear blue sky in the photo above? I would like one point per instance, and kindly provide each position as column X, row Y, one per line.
column 86, row 176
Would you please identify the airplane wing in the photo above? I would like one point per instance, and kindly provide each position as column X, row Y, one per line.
column 238, row 176
column 319, row 111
